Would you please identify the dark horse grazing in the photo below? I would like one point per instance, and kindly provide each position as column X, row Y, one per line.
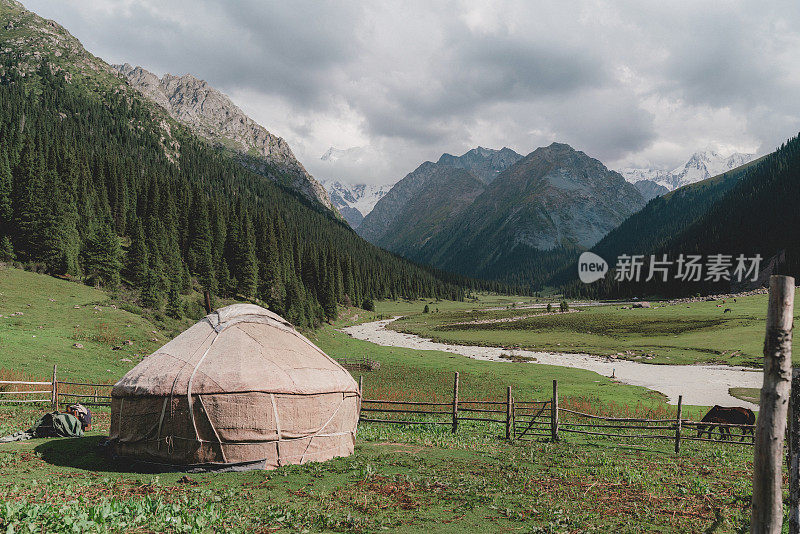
column 733, row 415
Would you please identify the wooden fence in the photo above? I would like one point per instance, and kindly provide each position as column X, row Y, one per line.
column 522, row 420
column 55, row 392
column 359, row 363
column 536, row 420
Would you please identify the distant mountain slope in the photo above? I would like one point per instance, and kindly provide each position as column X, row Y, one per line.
column 432, row 192
column 554, row 198
column 446, row 193
column 650, row 189
column 749, row 210
column 665, row 217
column 480, row 163
column 212, row 115
column 485, row 163
column 354, row 201
column 700, row 166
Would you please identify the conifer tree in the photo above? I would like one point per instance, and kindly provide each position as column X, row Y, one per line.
column 201, row 245
column 28, row 202
column 101, row 257
column 174, row 304
column 246, row 270
column 6, row 183
column 137, row 260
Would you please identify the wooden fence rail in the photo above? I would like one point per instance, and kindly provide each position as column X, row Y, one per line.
column 57, row 392
column 520, row 419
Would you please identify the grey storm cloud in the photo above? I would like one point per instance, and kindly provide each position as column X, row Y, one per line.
column 622, row 81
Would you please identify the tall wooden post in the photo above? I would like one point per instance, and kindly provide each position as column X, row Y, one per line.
column 54, row 390
column 554, row 412
column 793, row 459
column 207, row 297
column 360, row 394
column 455, row 403
column 508, row 413
column 767, row 503
column 678, row 426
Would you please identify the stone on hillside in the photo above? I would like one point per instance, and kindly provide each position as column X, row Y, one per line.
column 78, row 346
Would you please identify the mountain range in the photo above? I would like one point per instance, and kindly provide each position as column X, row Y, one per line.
column 749, row 210
column 700, row 166
column 471, row 213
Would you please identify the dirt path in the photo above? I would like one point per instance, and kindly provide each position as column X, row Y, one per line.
column 701, row 385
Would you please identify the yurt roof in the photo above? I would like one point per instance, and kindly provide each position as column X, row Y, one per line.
column 238, row 348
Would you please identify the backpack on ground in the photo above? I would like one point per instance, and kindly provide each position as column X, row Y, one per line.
column 50, row 425
column 83, row 414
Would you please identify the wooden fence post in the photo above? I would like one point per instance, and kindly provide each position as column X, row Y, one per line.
column 554, row 412
column 207, row 298
column 360, row 395
column 767, row 502
column 678, row 426
column 54, row 390
column 793, row 459
column 455, row 403
column 508, row 413
column 513, row 420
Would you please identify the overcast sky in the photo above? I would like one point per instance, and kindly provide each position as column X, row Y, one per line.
column 632, row 83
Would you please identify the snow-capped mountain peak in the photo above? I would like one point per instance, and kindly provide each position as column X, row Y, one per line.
column 354, row 201
column 701, row 165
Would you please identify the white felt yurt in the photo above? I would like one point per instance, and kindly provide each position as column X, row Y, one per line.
column 239, row 389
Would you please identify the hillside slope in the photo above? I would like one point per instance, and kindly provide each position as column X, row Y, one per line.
column 211, row 115
column 751, row 210
column 99, row 184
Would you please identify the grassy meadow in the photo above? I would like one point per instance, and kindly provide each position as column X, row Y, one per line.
column 685, row 333
column 399, row 479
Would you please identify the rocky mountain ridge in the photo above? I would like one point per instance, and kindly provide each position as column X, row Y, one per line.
column 212, row 115
column 485, row 163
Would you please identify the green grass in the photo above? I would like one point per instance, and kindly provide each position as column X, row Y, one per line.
column 391, row 308
column 400, row 480
column 748, row 394
column 56, row 315
column 674, row 334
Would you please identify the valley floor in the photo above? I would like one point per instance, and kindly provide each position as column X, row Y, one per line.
column 702, row 385
column 405, row 480
column 717, row 332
